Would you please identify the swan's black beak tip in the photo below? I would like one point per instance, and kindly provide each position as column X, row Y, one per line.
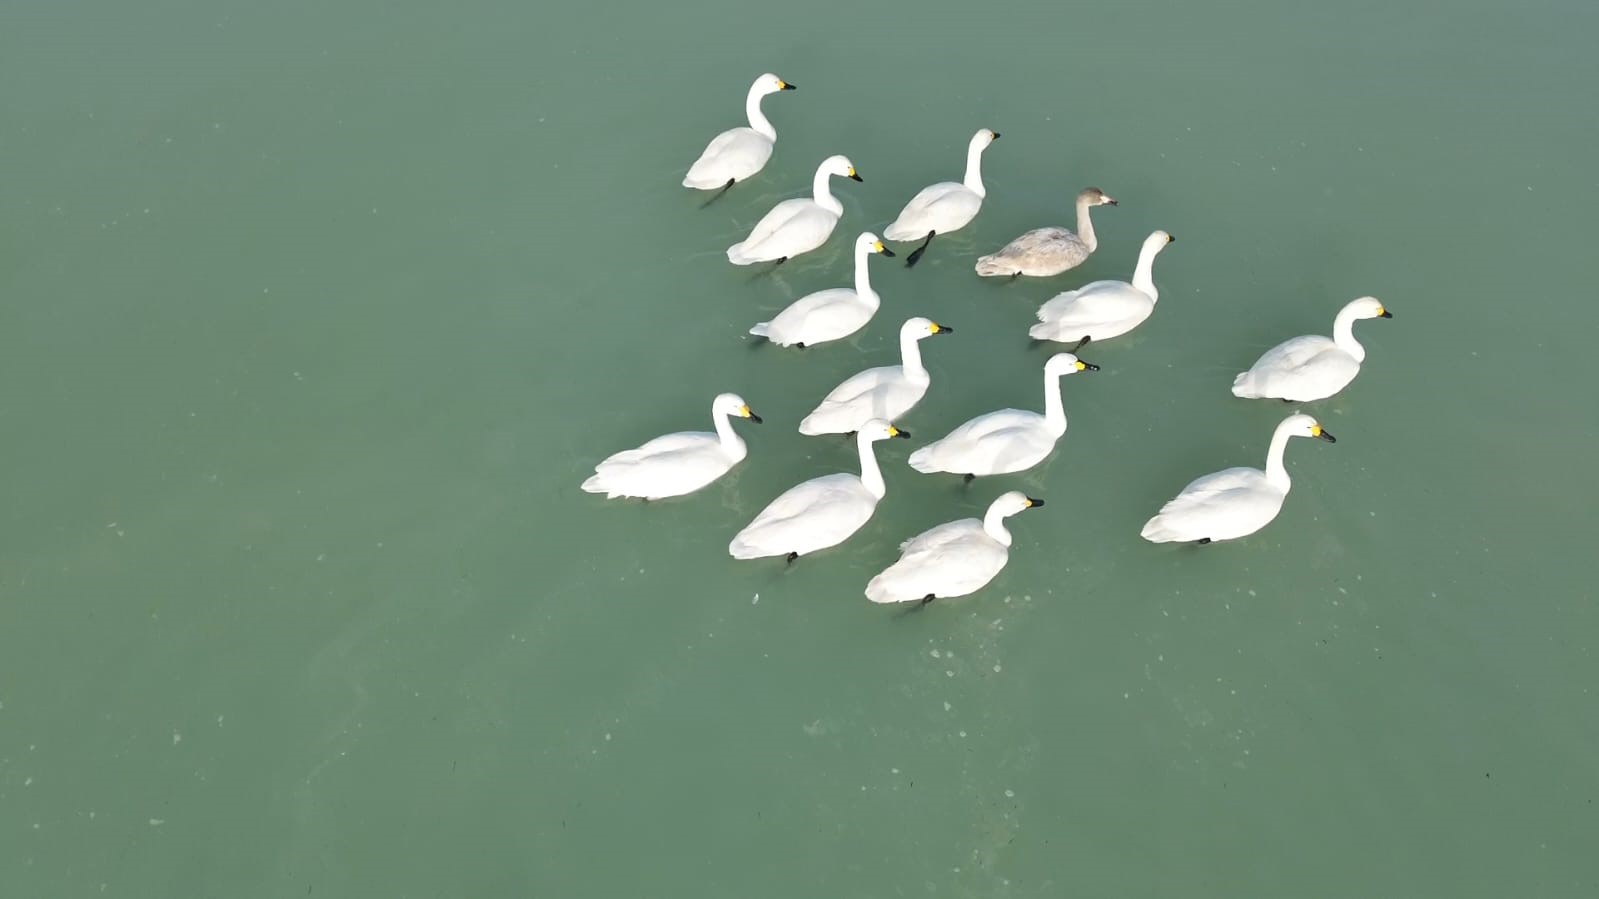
column 789, row 86
column 1326, row 435
column 1034, row 503
column 855, row 177
column 755, row 418
column 1385, row 314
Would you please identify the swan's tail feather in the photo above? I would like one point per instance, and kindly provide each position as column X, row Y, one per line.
column 1043, row 331
column 922, row 459
column 595, row 485
column 1156, row 531
column 995, row 266
column 762, row 329
column 1244, row 386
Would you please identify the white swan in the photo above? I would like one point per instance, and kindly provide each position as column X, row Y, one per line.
column 676, row 464
column 738, row 153
column 1312, row 367
column 1104, row 309
column 946, row 206
column 1043, row 252
column 1008, row 440
column 829, row 314
column 1236, row 502
column 821, row 512
column 887, row 392
column 799, row 225
column 953, row 559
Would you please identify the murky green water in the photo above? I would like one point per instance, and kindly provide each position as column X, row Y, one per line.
column 315, row 317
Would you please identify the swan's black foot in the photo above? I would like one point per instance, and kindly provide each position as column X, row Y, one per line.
column 917, row 253
column 718, row 195
column 1081, row 343
column 1287, row 400
column 780, row 261
column 791, row 557
column 968, row 478
column 800, row 345
column 1013, row 276
column 1203, row 540
column 925, row 600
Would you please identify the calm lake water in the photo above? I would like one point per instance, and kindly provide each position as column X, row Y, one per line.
column 316, row 315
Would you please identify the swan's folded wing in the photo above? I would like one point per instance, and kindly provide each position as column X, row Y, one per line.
column 934, row 537
column 935, row 207
column 1214, row 504
column 1291, row 354
column 808, row 497
column 1102, row 302
column 665, row 444
column 775, row 218
column 819, row 316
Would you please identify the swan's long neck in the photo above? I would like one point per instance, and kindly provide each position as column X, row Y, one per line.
column 910, row 354
column 758, row 120
column 994, row 526
column 732, row 444
column 871, row 475
column 821, row 188
column 974, row 169
column 1054, row 412
column 1085, row 225
column 863, row 280
column 1144, row 274
column 1276, row 473
column 1344, row 335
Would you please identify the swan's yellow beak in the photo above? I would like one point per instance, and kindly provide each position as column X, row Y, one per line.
column 1320, row 433
column 896, row 432
column 936, row 328
column 853, row 176
column 1034, row 503
column 744, row 411
column 784, row 85
column 1382, row 312
column 878, row 247
column 1081, row 365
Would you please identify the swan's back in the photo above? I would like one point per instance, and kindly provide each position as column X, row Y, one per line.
column 1039, row 253
column 671, row 465
column 819, row 317
column 996, row 443
column 1304, row 369
column 942, row 207
column 813, row 515
column 791, row 227
column 1220, row 506
column 953, row 559
column 735, row 154
column 884, row 392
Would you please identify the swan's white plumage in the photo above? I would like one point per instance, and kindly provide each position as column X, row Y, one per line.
column 675, row 464
column 738, row 153
column 796, row 226
column 821, row 512
column 948, row 205
column 1311, row 367
column 1104, row 309
column 887, row 392
column 829, row 314
column 1005, row 441
column 1234, row 502
column 952, row 559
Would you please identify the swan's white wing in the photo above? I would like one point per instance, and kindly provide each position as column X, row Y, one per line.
column 953, row 559
column 999, row 442
column 943, row 207
column 736, row 154
column 819, row 317
column 874, row 393
column 791, row 228
column 666, row 466
column 814, row 515
column 1220, row 506
column 1304, row 368
column 1101, row 310
column 1041, row 252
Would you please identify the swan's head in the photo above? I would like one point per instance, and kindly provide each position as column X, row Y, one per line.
column 1157, row 241
column 1096, row 197
column 1368, row 307
column 771, row 84
column 1009, row 504
column 733, row 405
column 917, row 328
column 1067, row 364
column 1304, row 426
column 878, row 429
column 871, row 243
column 983, row 138
column 840, row 166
